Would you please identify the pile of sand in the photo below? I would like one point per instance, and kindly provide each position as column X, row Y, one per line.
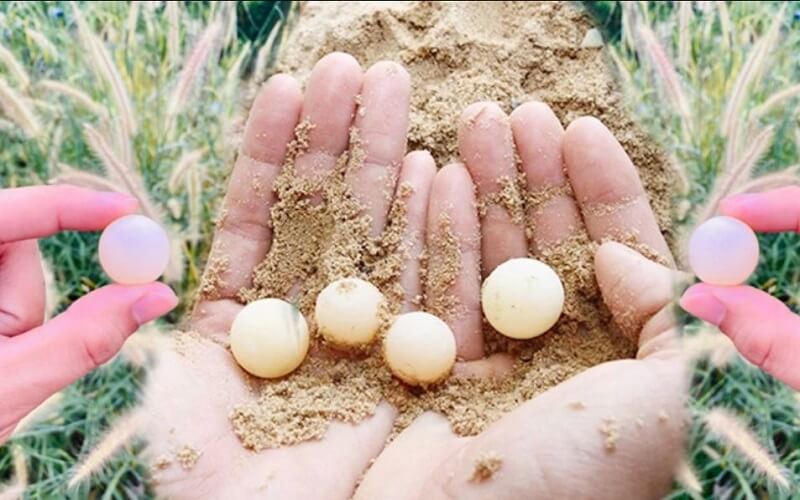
column 456, row 53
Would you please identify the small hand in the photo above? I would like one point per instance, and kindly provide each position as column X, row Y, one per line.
column 762, row 327
column 36, row 359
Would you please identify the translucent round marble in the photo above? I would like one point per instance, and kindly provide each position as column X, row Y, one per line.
column 134, row 250
column 723, row 251
column 522, row 298
column 419, row 348
column 347, row 312
column 269, row 338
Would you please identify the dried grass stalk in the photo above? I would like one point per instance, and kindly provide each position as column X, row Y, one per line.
column 730, row 430
column 687, row 477
column 787, row 177
column 194, row 69
column 684, row 35
column 41, row 41
column 738, row 173
column 14, row 67
column 19, row 111
column 724, row 22
column 750, row 71
column 120, row 434
column 775, row 99
column 173, row 13
column 103, row 65
column 44, row 410
column 78, row 96
column 186, row 163
column 70, row 175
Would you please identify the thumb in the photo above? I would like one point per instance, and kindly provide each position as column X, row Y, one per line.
column 763, row 329
column 637, row 291
column 42, row 361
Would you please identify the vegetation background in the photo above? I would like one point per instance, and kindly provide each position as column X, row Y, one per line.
column 147, row 98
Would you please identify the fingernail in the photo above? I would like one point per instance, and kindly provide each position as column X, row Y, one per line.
column 703, row 304
column 154, row 304
column 118, row 200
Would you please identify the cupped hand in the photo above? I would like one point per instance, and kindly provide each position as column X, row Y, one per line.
column 622, row 421
column 36, row 358
column 763, row 328
column 546, row 445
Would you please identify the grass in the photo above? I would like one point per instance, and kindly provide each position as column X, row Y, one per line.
column 678, row 67
column 682, row 91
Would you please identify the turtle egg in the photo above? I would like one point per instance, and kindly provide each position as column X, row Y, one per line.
column 348, row 312
column 134, row 250
column 419, row 348
column 269, row 338
column 522, row 298
column 723, row 251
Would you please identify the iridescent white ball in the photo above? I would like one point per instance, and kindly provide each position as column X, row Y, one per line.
column 723, row 251
column 134, row 250
column 522, row 298
column 419, row 348
column 269, row 338
column 348, row 312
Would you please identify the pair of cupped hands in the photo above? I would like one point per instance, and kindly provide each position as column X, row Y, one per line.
column 548, row 447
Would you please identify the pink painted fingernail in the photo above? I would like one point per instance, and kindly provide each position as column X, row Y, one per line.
column 701, row 302
column 154, row 304
column 116, row 201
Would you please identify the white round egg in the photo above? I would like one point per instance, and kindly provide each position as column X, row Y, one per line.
column 723, row 251
column 134, row 250
column 419, row 348
column 522, row 298
column 347, row 312
column 269, row 338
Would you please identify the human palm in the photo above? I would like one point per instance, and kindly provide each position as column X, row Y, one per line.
column 621, row 420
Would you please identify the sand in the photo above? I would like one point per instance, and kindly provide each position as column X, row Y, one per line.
column 457, row 53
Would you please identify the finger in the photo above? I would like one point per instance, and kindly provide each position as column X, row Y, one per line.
column 763, row 329
column 623, row 420
column 245, row 229
column 770, row 211
column 329, row 106
column 414, row 187
column 48, row 358
column 496, row 366
column 634, row 288
column 551, row 209
column 429, row 441
column 22, row 297
column 608, row 190
column 487, row 149
column 453, row 277
column 382, row 123
column 36, row 212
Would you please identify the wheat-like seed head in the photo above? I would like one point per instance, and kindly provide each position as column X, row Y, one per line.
column 684, row 35
column 120, row 434
column 19, row 111
column 44, row 410
column 730, row 430
column 80, row 97
column 40, row 40
column 14, row 67
column 687, row 477
column 173, row 13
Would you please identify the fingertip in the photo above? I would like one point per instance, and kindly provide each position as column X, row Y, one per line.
column 389, row 69
column 536, row 115
column 282, row 84
column 420, row 163
column 479, row 113
column 339, row 62
column 156, row 301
